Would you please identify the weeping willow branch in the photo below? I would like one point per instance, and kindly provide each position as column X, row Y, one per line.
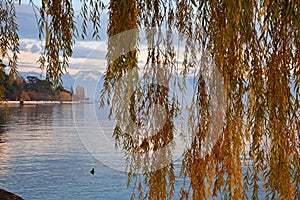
column 255, row 48
column 9, row 39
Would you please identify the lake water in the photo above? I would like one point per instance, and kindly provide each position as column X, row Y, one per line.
column 42, row 155
column 47, row 152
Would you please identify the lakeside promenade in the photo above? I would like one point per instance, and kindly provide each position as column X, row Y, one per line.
column 24, row 103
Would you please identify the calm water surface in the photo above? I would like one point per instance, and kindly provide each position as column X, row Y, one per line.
column 43, row 157
column 47, row 152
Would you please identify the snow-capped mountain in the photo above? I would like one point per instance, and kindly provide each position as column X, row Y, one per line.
column 27, row 74
column 68, row 81
column 88, row 75
column 91, row 81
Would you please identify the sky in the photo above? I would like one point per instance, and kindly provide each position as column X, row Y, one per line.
column 87, row 55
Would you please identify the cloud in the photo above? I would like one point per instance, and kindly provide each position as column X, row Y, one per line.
column 27, row 22
column 32, row 45
column 87, row 58
column 85, row 51
column 87, row 54
column 88, row 64
column 35, row 49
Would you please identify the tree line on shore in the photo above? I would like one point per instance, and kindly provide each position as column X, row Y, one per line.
column 33, row 89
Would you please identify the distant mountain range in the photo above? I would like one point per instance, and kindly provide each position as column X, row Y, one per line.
column 92, row 81
column 26, row 74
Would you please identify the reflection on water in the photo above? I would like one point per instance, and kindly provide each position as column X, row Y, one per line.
column 42, row 157
column 42, row 154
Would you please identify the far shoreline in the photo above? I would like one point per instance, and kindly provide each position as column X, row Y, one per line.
column 25, row 103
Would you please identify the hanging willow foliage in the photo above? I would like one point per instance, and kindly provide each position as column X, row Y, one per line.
column 255, row 47
column 58, row 26
column 9, row 42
